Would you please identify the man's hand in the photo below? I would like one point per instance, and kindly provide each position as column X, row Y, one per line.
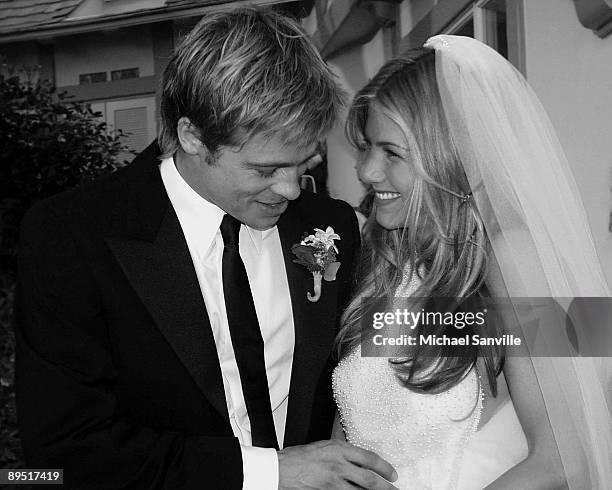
column 333, row 465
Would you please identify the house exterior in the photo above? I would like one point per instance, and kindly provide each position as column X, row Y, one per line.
column 111, row 54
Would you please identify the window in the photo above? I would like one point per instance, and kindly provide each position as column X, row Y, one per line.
column 467, row 29
column 485, row 20
column 135, row 117
column 463, row 25
column 87, row 78
column 494, row 26
column 133, row 122
column 125, row 73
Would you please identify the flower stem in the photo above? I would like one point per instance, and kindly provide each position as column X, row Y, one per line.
column 317, row 276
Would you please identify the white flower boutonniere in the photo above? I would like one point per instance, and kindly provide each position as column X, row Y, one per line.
column 318, row 254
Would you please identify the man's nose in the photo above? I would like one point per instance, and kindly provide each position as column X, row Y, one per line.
column 371, row 170
column 287, row 183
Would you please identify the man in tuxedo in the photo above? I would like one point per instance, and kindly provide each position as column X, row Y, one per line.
column 165, row 338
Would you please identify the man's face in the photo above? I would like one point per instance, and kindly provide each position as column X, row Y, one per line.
column 255, row 182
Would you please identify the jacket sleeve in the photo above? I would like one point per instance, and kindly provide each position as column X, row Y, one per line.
column 67, row 409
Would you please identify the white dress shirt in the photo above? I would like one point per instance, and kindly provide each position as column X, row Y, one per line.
column 262, row 255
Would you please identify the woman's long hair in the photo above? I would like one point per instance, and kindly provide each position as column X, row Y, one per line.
column 443, row 239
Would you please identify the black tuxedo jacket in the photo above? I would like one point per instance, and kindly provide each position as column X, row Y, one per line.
column 118, row 379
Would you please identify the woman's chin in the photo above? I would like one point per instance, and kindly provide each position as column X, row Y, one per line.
column 389, row 221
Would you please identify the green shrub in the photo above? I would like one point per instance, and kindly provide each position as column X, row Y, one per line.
column 48, row 145
column 10, row 453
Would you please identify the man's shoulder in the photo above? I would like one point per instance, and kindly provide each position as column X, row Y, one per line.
column 318, row 211
column 87, row 201
column 83, row 209
column 96, row 203
column 310, row 203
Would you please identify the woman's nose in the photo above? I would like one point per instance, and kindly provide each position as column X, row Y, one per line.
column 371, row 169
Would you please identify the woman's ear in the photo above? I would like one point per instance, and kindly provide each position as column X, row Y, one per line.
column 189, row 137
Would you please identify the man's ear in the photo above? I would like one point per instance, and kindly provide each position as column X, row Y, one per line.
column 189, row 137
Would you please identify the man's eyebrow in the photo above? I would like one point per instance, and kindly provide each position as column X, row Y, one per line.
column 277, row 164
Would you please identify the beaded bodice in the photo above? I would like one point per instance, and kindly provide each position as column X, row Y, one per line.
column 421, row 435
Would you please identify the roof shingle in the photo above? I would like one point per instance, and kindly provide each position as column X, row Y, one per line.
column 16, row 15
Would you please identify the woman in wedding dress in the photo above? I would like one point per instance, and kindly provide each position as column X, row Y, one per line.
column 473, row 196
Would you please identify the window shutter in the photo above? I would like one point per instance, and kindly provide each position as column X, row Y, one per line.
column 133, row 122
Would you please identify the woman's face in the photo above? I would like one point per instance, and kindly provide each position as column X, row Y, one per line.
column 387, row 164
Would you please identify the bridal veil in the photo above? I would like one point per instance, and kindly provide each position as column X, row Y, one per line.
column 523, row 186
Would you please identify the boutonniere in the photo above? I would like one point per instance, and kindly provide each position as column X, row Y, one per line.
column 318, row 254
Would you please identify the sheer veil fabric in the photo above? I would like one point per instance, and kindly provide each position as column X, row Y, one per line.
column 523, row 187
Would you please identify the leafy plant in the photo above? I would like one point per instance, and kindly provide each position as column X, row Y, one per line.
column 10, row 452
column 48, row 145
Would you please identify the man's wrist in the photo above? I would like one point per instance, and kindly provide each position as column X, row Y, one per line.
column 260, row 468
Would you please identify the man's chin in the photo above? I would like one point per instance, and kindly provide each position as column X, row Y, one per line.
column 263, row 223
column 265, row 216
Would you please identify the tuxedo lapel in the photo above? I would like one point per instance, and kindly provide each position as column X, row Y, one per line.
column 314, row 328
column 154, row 256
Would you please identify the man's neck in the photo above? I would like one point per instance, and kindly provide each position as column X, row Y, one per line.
column 188, row 168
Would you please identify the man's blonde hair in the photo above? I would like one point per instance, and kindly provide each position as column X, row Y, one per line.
column 246, row 72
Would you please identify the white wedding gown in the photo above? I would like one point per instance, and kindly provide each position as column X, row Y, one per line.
column 433, row 441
